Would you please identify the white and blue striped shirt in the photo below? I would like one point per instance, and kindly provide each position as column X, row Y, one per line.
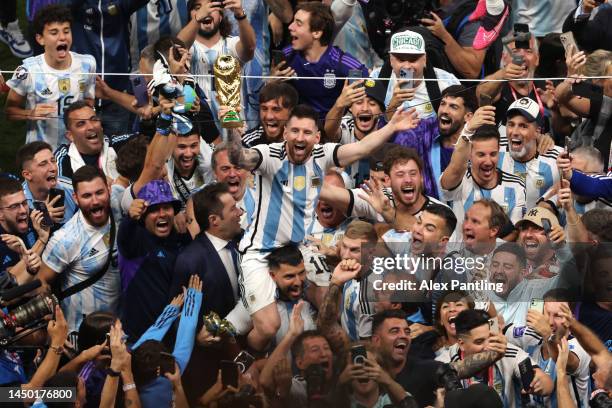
column 539, row 173
column 77, row 251
column 39, row 83
column 286, row 195
column 509, row 193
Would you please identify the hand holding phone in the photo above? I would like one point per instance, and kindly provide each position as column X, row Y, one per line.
column 139, row 86
column 537, row 305
column 407, row 77
column 41, row 206
column 229, row 373
column 278, row 56
column 354, row 75
column 244, row 360
column 527, row 373
column 54, row 192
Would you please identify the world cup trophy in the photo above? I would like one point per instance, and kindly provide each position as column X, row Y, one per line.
column 227, row 85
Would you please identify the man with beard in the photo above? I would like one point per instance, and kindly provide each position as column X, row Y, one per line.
column 81, row 250
column 520, row 157
column 207, row 36
column 507, row 268
column 20, row 229
column 148, row 247
column 288, row 179
column 472, row 173
column 39, row 171
column 365, row 104
column 276, row 100
column 504, row 93
column 88, row 145
column 236, row 179
column 398, row 205
column 538, row 244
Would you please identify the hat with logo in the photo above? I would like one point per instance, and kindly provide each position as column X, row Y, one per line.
column 407, row 42
column 158, row 192
column 536, row 215
column 526, row 107
column 377, row 90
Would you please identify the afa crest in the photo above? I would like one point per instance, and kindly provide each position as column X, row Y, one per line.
column 64, row 85
column 299, row 182
column 329, row 80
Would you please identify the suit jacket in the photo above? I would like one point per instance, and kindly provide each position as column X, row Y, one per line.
column 200, row 257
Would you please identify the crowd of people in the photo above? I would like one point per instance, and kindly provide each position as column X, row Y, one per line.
column 413, row 210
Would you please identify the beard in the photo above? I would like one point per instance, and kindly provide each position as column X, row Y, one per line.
column 210, row 33
column 454, row 127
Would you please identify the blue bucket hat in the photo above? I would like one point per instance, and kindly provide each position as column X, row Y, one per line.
column 159, row 192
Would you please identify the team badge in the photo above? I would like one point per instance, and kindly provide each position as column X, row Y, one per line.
column 428, row 108
column 21, row 73
column 329, row 80
column 64, row 85
column 106, row 239
column 81, row 86
column 299, row 183
column 522, row 175
column 315, row 181
column 539, row 182
column 326, row 239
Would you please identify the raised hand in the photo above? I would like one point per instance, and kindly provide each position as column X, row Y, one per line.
column 375, row 196
column 351, row 93
column 485, row 115
column 346, row 270
column 296, row 323
column 404, row 119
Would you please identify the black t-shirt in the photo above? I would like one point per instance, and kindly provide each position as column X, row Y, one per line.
column 8, row 257
column 598, row 320
column 418, row 377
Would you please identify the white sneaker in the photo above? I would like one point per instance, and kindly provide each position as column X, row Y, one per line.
column 12, row 36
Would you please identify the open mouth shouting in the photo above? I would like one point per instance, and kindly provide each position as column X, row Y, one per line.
column 22, row 221
column 531, row 246
column 365, row 121
column 487, row 171
column 163, row 226
column 52, row 180
column 400, row 347
column 444, row 121
column 98, row 214
column 187, row 162
column 408, row 193
column 450, row 322
column 272, row 127
column 326, row 211
column 62, row 50
column 299, row 150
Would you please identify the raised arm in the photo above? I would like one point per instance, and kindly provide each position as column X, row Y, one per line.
column 246, row 46
column 247, row 158
column 281, row 9
column 350, row 93
column 402, row 120
column 202, row 10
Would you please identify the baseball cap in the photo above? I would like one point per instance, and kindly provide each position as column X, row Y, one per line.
column 535, row 216
column 376, row 90
column 407, row 42
column 526, row 107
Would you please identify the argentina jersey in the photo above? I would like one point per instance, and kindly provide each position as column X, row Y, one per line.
column 159, row 18
column 580, row 204
column 315, row 263
column 76, row 251
column 509, row 193
column 359, row 170
column 286, row 195
column 39, row 84
column 353, row 38
column 539, row 173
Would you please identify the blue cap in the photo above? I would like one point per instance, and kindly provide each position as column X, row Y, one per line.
column 158, row 192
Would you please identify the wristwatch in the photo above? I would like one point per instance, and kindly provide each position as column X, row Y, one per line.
column 112, row 373
column 242, row 16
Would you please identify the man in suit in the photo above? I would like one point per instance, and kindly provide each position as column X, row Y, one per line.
column 213, row 256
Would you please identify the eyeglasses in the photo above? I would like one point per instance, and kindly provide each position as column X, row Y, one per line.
column 16, row 206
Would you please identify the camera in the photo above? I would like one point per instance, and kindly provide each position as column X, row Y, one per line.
column 448, row 378
column 387, row 16
column 26, row 315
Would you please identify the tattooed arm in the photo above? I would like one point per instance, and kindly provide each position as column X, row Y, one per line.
column 248, row 159
column 327, row 322
column 475, row 363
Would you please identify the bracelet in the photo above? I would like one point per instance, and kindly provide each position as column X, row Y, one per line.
column 57, row 350
column 112, row 373
column 127, row 387
column 242, row 17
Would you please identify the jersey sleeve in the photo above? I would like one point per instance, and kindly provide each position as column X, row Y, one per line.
column 185, row 337
column 331, row 155
column 346, row 128
column 232, row 46
column 90, row 87
column 583, row 357
column 264, row 166
column 58, row 255
column 360, row 208
column 600, row 186
column 452, row 194
column 21, row 82
column 522, row 336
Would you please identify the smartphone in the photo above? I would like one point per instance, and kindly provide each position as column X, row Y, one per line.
column 354, row 75
column 408, row 76
column 358, row 354
column 494, row 325
column 527, row 373
column 54, row 192
column 521, row 29
column 568, row 143
column 278, row 56
column 537, row 305
column 485, row 100
column 518, row 59
column 568, row 40
column 547, row 226
column 139, row 86
column 586, row 89
column 47, row 222
column 229, row 373
column 244, row 361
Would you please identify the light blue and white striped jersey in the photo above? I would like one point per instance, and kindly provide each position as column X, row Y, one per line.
column 359, row 170
column 309, row 316
column 257, row 12
column 247, row 204
column 202, row 62
column 39, row 83
column 159, row 18
column 355, row 310
column 353, row 38
column 76, row 251
column 539, row 173
column 509, row 193
column 317, row 269
column 529, row 340
column 286, row 195
column 598, row 203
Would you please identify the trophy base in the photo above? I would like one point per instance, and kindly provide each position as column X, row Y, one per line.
column 231, row 120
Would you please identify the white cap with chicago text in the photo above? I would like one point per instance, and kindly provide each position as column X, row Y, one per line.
column 407, row 42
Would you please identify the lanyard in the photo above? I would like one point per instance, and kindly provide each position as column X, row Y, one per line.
column 537, row 95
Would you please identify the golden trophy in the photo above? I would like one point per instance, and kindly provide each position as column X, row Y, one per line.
column 227, row 85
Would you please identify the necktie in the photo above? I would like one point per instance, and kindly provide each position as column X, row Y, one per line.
column 231, row 246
